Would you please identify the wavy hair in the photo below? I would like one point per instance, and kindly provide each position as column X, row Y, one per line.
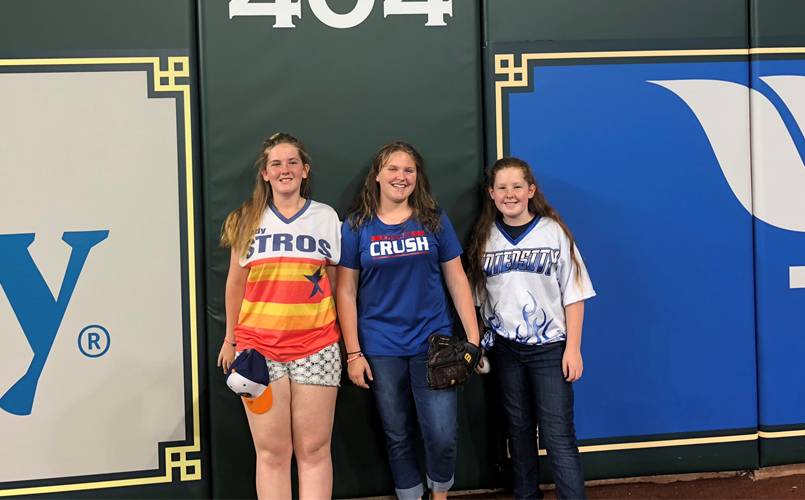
column 537, row 205
column 423, row 206
column 241, row 225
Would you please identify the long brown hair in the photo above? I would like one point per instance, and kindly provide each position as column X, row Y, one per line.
column 537, row 205
column 423, row 207
column 241, row 225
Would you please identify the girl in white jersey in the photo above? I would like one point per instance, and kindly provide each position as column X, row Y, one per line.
column 279, row 303
column 530, row 283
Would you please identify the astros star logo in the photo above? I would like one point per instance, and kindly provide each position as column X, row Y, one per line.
column 315, row 278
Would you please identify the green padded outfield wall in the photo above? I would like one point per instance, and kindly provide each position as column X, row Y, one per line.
column 102, row 393
column 131, row 119
column 345, row 91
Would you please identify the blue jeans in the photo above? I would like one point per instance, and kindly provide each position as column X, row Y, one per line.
column 531, row 378
column 399, row 382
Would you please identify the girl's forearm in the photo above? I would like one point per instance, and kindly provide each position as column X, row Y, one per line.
column 459, row 288
column 234, row 300
column 466, row 311
column 574, row 315
column 347, row 306
column 234, row 293
column 348, row 319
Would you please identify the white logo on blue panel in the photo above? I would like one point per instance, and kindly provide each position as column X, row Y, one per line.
column 779, row 172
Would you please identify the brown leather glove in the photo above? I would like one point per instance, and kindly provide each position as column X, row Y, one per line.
column 451, row 361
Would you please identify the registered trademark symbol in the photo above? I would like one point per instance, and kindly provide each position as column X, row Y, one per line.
column 93, row 341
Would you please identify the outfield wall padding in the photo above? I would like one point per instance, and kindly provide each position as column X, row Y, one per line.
column 100, row 134
column 670, row 136
column 778, row 175
column 344, row 92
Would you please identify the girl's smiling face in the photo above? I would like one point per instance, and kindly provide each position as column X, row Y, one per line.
column 511, row 193
column 285, row 170
column 397, row 178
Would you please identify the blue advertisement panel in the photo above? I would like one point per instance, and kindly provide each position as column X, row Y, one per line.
column 778, row 150
column 648, row 161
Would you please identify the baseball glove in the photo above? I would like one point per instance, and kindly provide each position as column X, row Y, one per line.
column 451, row 361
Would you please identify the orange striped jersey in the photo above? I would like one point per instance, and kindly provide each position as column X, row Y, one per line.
column 288, row 310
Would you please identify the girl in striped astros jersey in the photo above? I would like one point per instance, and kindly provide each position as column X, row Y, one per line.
column 279, row 302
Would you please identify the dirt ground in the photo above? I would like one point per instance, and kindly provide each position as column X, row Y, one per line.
column 739, row 486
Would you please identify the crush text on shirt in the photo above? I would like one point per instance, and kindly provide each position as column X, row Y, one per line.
column 398, row 245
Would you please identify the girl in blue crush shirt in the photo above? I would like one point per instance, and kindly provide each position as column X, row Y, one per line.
column 396, row 246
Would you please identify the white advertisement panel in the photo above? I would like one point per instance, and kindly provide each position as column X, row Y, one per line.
column 93, row 198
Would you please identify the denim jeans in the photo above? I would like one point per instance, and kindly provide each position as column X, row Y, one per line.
column 399, row 383
column 530, row 377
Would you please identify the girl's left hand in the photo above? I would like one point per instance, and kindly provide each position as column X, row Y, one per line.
column 572, row 365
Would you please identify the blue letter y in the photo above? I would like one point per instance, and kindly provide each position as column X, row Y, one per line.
column 39, row 314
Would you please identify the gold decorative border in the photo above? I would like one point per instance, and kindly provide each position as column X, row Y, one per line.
column 664, row 443
column 683, row 442
column 518, row 75
column 687, row 442
column 183, row 65
column 780, row 434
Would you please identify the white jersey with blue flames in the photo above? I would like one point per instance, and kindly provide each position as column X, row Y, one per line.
column 529, row 281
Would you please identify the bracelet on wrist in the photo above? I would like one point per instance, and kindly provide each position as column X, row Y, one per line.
column 233, row 344
column 353, row 358
column 351, row 353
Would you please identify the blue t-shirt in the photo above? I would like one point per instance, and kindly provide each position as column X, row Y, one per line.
column 401, row 300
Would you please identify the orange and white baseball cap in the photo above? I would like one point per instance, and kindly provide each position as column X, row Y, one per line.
column 248, row 377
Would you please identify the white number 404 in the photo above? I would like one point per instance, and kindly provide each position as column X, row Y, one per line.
column 285, row 10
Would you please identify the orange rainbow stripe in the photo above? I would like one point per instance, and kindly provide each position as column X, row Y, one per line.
column 288, row 308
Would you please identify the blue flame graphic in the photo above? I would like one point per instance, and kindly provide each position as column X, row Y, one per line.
column 496, row 322
column 533, row 328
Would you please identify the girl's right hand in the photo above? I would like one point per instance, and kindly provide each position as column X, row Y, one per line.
column 356, row 371
column 226, row 356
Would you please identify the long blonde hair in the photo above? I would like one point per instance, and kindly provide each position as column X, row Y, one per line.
column 241, row 225
column 423, row 207
column 537, row 205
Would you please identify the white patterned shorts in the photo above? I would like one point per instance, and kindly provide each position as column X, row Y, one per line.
column 321, row 368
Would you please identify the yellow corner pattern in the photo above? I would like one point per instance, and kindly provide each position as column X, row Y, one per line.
column 164, row 81
column 517, row 76
column 190, row 469
column 177, row 68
